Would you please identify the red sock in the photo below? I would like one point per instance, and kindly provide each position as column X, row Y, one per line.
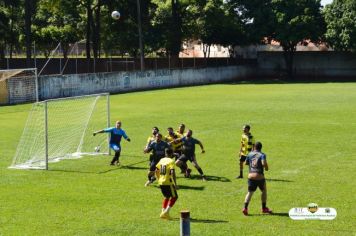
column 165, row 203
column 172, row 201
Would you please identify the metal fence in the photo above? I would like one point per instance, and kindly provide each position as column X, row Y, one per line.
column 83, row 65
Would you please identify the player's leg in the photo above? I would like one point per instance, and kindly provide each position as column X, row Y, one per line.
column 116, row 157
column 195, row 164
column 177, row 154
column 169, row 192
column 252, row 186
column 151, row 173
column 263, row 187
column 242, row 160
column 182, row 163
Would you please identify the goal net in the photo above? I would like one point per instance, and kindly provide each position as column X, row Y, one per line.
column 18, row 86
column 63, row 129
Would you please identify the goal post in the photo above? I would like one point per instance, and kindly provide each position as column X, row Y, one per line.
column 63, row 128
column 18, row 86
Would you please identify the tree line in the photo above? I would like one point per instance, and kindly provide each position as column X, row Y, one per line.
column 168, row 23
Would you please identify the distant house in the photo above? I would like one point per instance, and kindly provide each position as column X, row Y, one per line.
column 252, row 50
column 197, row 48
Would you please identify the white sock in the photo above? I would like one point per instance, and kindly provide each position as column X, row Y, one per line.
column 167, row 209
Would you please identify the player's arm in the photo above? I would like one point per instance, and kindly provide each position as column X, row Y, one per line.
column 176, row 140
column 157, row 172
column 98, row 132
column 125, row 136
column 265, row 164
column 148, row 149
column 201, row 147
column 173, row 174
column 247, row 161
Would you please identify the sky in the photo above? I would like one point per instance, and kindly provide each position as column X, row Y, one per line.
column 324, row 2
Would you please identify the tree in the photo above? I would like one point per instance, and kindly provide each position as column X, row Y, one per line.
column 340, row 17
column 56, row 22
column 288, row 22
column 29, row 10
column 298, row 21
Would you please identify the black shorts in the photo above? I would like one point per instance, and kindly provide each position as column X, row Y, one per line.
column 253, row 184
column 153, row 162
column 242, row 158
column 169, row 191
column 185, row 158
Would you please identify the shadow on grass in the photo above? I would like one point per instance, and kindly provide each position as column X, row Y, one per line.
column 112, row 168
column 129, row 166
column 211, row 178
column 207, row 221
column 281, row 214
column 200, row 188
column 72, row 171
column 279, row 180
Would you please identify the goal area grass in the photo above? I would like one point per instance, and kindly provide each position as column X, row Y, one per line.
column 308, row 132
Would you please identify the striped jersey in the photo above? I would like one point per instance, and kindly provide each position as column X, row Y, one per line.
column 247, row 143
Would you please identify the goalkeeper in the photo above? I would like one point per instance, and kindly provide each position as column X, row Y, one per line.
column 116, row 133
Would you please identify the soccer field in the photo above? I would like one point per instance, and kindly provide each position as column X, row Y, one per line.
column 308, row 132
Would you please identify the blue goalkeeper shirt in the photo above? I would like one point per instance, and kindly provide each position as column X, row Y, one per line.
column 115, row 135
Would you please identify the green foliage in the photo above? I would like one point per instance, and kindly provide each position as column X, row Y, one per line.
column 309, row 147
column 297, row 22
column 340, row 17
column 56, row 22
column 288, row 22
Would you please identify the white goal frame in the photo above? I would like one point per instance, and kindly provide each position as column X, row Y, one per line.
column 41, row 153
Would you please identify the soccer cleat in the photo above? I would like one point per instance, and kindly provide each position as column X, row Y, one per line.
column 118, row 163
column 266, row 210
column 204, row 178
column 148, row 183
column 112, row 164
column 245, row 211
column 165, row 215
column 239, row 177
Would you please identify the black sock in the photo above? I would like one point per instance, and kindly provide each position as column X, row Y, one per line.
column 200, row 171
column 246, row 205
column 240, row 172
column 184, row 166
column 264, row 205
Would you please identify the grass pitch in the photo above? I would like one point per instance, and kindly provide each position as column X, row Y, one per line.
column 308, row 132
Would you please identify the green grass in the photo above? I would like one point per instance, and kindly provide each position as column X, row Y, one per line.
column 308, row 132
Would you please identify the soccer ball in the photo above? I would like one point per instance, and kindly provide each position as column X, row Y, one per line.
column 115, row 15
column 97, row 149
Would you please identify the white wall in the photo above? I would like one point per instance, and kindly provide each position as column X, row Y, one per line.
column 82, row 84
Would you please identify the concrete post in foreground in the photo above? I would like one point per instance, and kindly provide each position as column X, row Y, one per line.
column 185, row 223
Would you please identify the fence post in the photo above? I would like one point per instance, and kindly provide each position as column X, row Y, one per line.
column 185, row 223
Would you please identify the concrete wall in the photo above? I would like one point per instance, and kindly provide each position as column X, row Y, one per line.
column 82, row 84
column 310, row 64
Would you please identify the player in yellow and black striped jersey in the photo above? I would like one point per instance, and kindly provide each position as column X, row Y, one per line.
column 166, row 176
column 180, row 134
column 247, row 145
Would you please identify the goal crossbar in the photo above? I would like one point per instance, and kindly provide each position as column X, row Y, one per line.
column 62, row 128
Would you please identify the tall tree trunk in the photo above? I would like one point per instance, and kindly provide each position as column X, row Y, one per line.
column 288, row 53
column 96, row 31
column 28, row 38
column 88, row 31
column 176, row 35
